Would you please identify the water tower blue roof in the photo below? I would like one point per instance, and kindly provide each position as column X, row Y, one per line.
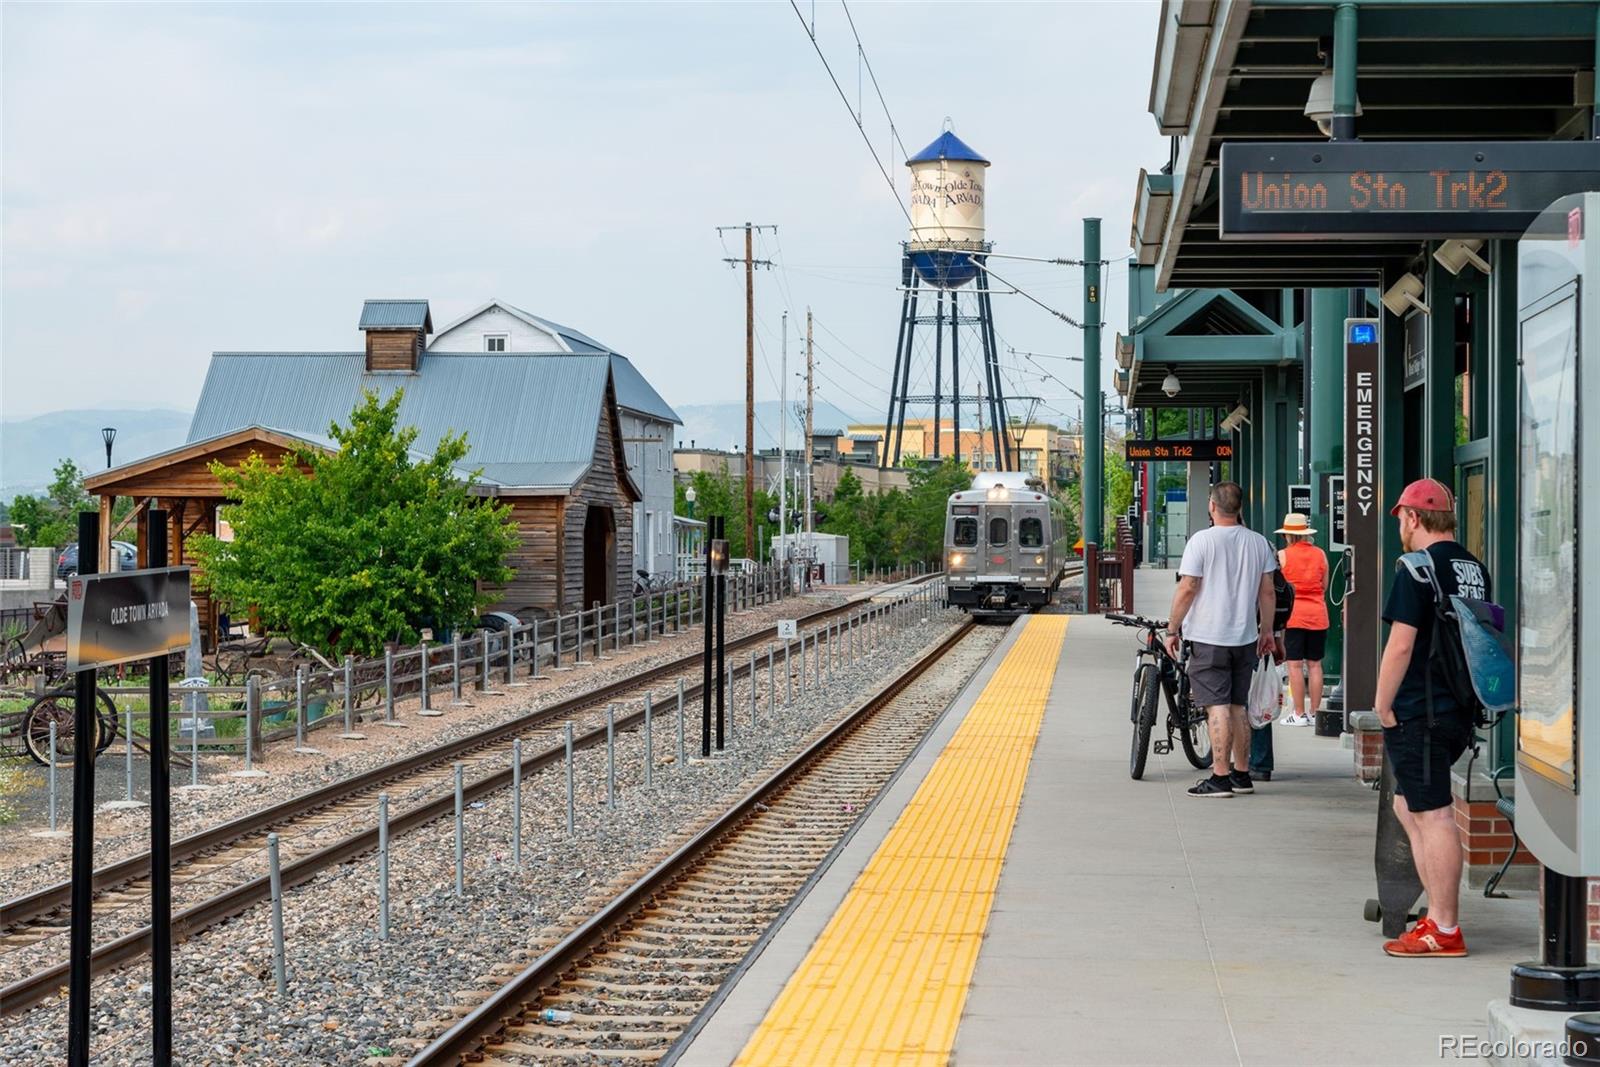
column 948, row 146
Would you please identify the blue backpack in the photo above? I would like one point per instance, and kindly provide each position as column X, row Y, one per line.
column 1469, row 647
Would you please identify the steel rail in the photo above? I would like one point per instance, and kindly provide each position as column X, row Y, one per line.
column 508, row 1005
column 186, row 923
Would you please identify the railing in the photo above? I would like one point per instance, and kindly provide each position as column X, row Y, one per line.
column 1115, row 571
column 437, row 674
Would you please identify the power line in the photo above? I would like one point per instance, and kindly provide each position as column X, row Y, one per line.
column 811, row 34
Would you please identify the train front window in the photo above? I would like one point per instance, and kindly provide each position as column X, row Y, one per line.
column 999, row 531
column 966, row 533
column 1030, row 533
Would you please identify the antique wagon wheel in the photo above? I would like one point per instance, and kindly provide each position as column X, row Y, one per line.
column 57, row 707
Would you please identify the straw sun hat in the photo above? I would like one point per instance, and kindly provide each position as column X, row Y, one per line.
column 1295, row 523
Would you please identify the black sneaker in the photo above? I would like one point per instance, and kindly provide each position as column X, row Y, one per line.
column 1212, row 787
column 1240, row 780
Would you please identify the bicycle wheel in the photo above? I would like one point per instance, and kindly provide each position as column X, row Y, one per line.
column 106, row 708
column 54, row 707
column 1195, row 735
column 1143, row 713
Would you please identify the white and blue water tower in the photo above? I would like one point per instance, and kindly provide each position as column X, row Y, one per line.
column 947, row 249
column 947, row 187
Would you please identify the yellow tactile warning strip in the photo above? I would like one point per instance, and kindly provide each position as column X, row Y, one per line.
column 886, row 980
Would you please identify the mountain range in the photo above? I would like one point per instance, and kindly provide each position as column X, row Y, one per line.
column 31, row 447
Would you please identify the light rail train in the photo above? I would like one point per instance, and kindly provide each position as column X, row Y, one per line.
column 1005, row 548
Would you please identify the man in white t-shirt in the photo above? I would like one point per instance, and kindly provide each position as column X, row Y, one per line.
column 1223, row 608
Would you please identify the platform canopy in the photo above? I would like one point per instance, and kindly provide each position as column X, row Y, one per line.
column 1242, row 71
column 1215, row 341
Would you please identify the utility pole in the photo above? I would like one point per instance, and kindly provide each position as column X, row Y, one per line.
column 750, row 265
column 783, row 448
column 810, row 414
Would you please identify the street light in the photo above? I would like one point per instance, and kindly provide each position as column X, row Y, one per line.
column 108, row 434
column 689, row 497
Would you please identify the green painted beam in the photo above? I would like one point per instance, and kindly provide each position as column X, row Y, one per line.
column 1439, row 398
column 1264, row 351
column 1428, row 20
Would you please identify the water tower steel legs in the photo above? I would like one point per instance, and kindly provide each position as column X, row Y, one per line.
column 991, row 370
column 899, row 353
column 955, row 375
column 938, row 369
column 905, row 366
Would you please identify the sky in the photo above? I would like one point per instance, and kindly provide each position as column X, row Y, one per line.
column 183, row 179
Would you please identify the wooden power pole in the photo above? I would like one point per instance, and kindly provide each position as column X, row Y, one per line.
column 750, row 265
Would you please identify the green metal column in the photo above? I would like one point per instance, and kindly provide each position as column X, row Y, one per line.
column 1344, row 71
column 1279, row 439
column 1326, row 366
column 1093, row 446
column 1501, row 496
column 1439, row 403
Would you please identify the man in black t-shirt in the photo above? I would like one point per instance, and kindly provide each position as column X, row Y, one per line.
column 1421, row 753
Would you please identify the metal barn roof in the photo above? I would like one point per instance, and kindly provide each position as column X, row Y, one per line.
column 530, row 421
column 396, row 315
column 634, row 393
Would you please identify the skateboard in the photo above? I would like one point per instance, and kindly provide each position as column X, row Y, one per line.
column 1399, row 888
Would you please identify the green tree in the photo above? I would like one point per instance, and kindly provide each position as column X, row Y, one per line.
column 349, row 549
column 52, row 519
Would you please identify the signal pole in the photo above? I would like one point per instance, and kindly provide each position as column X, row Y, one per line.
column 1093, row 443
column 750, row 265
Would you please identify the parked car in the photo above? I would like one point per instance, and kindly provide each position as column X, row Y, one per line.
column 67, row 559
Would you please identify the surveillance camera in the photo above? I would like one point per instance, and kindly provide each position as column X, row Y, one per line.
column 1404, row 295
column 1170, row 384
column 1239, row 416
column 1456, row 254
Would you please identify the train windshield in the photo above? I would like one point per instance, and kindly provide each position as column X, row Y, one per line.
column 966, row 533
column 1030, row 533
column 999, row 530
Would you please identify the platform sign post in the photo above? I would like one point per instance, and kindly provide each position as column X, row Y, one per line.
column 1363, row 512
column 161, row 821
column 118, row 618
column 81, row 936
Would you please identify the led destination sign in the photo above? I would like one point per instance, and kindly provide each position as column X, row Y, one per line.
column 1183, row 451
column 1397, row 189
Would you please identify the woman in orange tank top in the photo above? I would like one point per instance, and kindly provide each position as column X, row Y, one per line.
column 1305, row 638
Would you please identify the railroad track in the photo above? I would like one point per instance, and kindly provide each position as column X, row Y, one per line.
column 41, row 915
column 630, row 983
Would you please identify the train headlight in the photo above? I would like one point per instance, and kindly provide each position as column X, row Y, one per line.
column 956, row 559
column 1038, row 560
column 998, row 492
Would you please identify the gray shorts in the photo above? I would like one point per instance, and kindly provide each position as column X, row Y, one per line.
column 1220, row 674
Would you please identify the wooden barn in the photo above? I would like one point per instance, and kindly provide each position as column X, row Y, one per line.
column 543, row 429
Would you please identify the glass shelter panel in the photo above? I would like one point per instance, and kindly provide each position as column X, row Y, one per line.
column 1547, row 576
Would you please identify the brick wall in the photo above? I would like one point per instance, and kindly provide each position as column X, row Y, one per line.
column 1368, row 747
column 1485, row 835
column 1594, row 918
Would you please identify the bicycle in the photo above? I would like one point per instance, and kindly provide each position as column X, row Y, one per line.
column 1155, row 670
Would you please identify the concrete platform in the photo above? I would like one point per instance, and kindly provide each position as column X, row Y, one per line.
column 1135, row 925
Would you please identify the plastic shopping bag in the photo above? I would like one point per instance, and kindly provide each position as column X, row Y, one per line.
column 1266, row 692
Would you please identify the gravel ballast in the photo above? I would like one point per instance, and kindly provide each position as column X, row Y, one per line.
column 353, row 997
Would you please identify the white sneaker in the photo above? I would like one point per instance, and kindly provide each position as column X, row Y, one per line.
column 1296, row 720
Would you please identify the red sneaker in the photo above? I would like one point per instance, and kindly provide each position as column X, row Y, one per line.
column 1424, row 939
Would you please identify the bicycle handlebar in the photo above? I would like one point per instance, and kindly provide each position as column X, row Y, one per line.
column 1139, row 621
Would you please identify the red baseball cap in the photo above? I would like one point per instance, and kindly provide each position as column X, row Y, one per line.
column 1426, row 494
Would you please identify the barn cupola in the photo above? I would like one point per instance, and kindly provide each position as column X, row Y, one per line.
column 397, row 332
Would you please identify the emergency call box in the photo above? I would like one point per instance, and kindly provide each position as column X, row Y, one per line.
column 1558, row 688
